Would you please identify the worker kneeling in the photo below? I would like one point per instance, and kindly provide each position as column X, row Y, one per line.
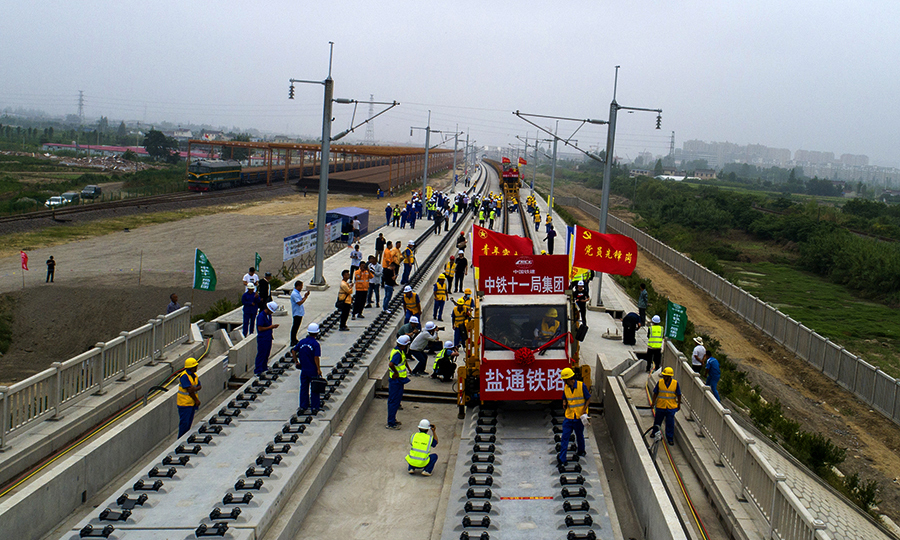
column 445, row 362
column 421, row 444
column 576, row 400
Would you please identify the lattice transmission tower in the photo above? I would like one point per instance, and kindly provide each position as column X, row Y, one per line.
column 370, row 127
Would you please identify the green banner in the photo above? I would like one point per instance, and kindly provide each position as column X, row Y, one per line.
column 257, row 261
column 676, row 321
column 204, row 274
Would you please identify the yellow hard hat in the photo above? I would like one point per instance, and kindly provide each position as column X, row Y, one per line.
column 468, row 291
column 668, row 371
column 461, row 302
column 551, row 313
column 566, row 373
column 190, row 363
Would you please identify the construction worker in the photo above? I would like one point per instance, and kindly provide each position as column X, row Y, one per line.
column 450, row 267
column 491, row 217
column 548, row 329
column 421, row 443
column 396, row 217
column 264, row 328
column 387, row 256
column 576, row 400
column 667, row 400
column 549, row 219
column 537, row 219
column 445, row 362
column 312, row 224
column 440, row 296
column 468, row 299
column 409, row 259
column 411, row 303
column 398, row 374
column 654, row 343
column 306, row 354
column 361, row 283
column 581, row 297
column 187, row 400
column 481, row 217
column 460, row 316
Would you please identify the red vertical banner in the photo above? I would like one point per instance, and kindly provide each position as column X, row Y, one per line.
column 24, row 257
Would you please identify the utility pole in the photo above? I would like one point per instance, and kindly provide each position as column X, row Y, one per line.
column 607, row 168
column 466, row 166
column 427, row 143
column 81, row 106
column 534, row 166
column 455, row 147
column 553, row 169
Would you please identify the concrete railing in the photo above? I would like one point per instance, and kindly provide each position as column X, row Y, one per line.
column 63, row 384
column 760, row 483
column 870, row 384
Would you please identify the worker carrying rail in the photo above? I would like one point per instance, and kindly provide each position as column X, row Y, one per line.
column 576, row 400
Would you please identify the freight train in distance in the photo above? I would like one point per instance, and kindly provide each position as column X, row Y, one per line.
column 214, row 174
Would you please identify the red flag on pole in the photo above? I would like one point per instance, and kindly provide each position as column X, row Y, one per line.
column 488, row 242
column 504, row 160
column 522, row 161
column 608, row 253
column 24, row 257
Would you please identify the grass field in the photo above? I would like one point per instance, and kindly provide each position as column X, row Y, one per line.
column 867, row 329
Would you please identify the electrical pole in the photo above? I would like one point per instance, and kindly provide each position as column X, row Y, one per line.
column 553, row 168
column 455, row 146
column 324, row 164
column 466, row 166
column 370, row 127
column 607, row 166
column 81, row 106
column 427, row 143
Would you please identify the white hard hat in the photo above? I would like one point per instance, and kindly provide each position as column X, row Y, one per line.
column 411, row 243
column 449, row 345
column 313, row 328
column 461, row 252
column 407, row 289
column 424, row 424
column 429, row 325
column 581, row 282
column 251, row 287
column 655, row 319
column 403, row 340
column 273, row 306
column 414, row 319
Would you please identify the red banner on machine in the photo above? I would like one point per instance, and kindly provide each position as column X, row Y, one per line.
column 523, row 274
column 504, row 160
column 487, row 242
column 509, row 380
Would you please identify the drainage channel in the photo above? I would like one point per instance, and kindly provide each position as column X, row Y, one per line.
column 507, row 484
column 207, row 474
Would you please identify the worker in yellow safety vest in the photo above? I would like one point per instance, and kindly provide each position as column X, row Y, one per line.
column 468, row 299
column 398, row 375
column 440, row 297
column 410, row 303
column 449, row 267
column 576, row 400
column 460, row 317
column 667, row 400
column 549, row 327
column 421, row 443
column 654, row 343
column 409, row 259
column 187, row 400
column 445, row 362
column 312, row 224
column 537, row 219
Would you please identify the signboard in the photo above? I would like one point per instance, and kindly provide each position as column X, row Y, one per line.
column 523, row 274
column 509, row 380
column 305, row 242
column 676, row 321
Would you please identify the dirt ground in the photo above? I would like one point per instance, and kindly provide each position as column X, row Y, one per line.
column 807, row 396
column 116, row 282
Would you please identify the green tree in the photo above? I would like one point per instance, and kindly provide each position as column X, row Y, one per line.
column 658, row 169
column 161, row 147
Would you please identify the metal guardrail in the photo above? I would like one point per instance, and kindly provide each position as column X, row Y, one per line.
column 760, row 483
column 48, row 393
column 870, row 384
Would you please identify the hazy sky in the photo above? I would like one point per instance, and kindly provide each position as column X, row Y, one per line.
column 797, row 75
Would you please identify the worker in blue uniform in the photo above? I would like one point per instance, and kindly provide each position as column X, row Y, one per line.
column 306, row 354
column 264, row 327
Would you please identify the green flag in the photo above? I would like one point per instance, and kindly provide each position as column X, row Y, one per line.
column 204, row 274
column 258, row 261
column 676, row 321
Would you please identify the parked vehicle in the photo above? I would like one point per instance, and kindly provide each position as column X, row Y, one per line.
column 71, row 197
column 91, row 192
column 55, row 201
